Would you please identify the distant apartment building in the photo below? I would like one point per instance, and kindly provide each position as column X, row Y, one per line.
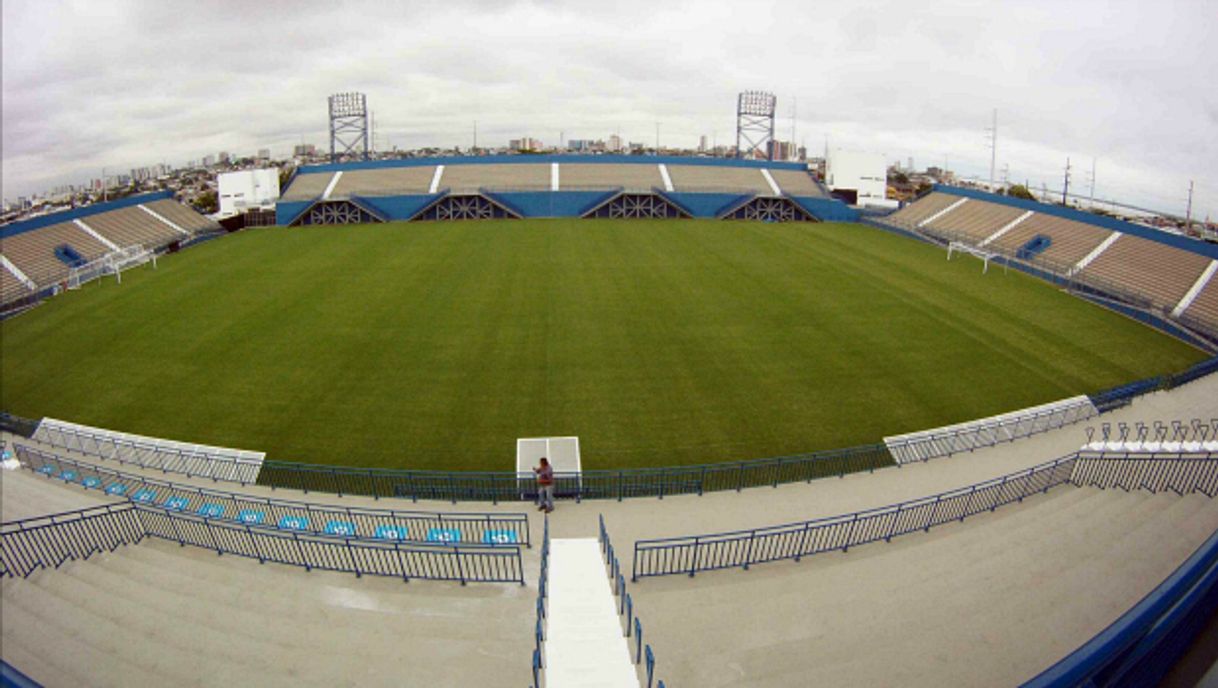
column 524, row 144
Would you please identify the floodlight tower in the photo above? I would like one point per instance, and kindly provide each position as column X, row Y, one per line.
column 348, row 125
column 755, row 124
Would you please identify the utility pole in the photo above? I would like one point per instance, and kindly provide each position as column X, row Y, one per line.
column 1066, row 183
column 993, row 147
column 1006, row 175
column 794, row 117
column 1091, row 195
column 475, row 136
column 1188, row 213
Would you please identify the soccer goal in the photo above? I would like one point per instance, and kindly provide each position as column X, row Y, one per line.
column 563, row 455
column 113, row 263
column 961, row 247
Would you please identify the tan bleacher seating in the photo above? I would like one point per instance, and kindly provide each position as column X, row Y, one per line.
column 460, row 178
column 609, row 176
column 130, row 226
column 974, row 221
column 11, row 288
column 1205, row 306
column 384, row 182
column 1070, row 241
column 696, row 178
column 797, row 183
column 33, row 252
column 181, row 216
column 307, row 186
column 919, row 210
column 1157, row 271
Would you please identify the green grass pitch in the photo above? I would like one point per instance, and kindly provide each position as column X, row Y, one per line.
column 656, row 342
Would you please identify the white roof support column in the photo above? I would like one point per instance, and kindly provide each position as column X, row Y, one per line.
column 330, row 187
column 665, row 177
column 554, row 176
column 162, row 218
column 16, row 272
column 1095, row 253
column 943, row 212
column 1009, row 226
column 769, row 179
column 1203, row 280
column 93, row 233
column 435, row 179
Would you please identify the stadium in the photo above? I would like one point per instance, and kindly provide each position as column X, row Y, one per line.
column 999, row 397
column 797, row 439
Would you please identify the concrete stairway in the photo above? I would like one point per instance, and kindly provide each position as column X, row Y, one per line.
column 991, row 601
column 159, row 613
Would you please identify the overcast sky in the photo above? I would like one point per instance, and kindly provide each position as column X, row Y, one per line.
column 124, row 84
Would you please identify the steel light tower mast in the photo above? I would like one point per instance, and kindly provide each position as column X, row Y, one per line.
column 993, row 131
column 755, row 125
column 348, row 125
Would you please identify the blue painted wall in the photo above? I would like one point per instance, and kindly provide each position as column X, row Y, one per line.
column 79, row 213
column 401, row 207
column 827, row 209
column 1201, row 247
column 286, row 211
column 546, row 159
column 706, row 204
column 552, row 203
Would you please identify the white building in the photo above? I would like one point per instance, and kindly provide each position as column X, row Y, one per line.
column 859, row 177
column 241, row 191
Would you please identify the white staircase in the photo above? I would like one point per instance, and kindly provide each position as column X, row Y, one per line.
column 585, row 647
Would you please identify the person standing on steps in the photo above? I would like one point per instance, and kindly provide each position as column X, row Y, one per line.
column 545, row 485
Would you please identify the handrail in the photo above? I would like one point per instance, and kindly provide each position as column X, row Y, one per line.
column 1181, row 472
column 625, row 605
column 40, row 542
column 976, row 434
column 167, row 456
column 381, row 524
column 543, row 593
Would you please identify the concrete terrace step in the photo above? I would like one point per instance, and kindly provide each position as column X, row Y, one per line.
column 174, row 613
column 1066, row 576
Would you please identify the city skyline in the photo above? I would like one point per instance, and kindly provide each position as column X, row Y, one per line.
column 170, row 84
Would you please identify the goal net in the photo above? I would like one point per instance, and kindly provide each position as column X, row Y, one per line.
column 961, row 247
column 112, row 263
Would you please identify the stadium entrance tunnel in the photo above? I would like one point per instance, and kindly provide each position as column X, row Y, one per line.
column 344, row 212
column 769, row 209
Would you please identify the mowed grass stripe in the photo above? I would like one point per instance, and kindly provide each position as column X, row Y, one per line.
column 437, row 345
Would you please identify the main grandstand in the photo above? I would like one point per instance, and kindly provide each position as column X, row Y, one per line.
column 1069, row 542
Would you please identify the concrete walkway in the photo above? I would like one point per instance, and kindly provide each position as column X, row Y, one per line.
column 979, row 603
column 584, row 647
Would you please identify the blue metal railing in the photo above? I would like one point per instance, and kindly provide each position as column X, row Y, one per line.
column 591, row 484
column 543, row 592
column 219, row 505
column 49, row 541
column 625, row 606
column 1181, row 472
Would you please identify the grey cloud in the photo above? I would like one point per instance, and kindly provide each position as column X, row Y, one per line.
column 87, row 84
